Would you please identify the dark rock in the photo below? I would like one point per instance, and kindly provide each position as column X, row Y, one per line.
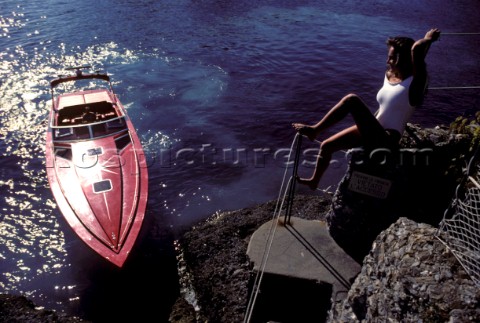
column 410, row 276
column 182, row 312
column 407, row 276
column 422, row 175
column 215, row 254
column 20, row 309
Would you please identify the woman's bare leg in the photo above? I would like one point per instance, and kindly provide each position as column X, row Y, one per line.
column 366, row 128
column 345, row 139
column 350, row 104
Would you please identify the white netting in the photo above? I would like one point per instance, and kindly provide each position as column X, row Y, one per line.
column 461, row 224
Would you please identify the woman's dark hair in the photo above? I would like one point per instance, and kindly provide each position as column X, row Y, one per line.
column 403, row 48
column 401, row 45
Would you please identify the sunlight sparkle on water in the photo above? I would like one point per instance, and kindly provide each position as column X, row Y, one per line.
column 31, row 242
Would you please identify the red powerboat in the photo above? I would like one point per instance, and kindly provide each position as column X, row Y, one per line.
column 96, row 166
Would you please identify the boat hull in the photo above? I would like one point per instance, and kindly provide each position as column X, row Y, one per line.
column 100, row 185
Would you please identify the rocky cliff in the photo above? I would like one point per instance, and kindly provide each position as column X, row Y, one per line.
column 417, row 181
column 410, row 276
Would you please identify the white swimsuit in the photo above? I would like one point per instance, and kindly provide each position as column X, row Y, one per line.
column 395, row 109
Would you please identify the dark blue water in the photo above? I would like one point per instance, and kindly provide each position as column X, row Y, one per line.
column 212, row 88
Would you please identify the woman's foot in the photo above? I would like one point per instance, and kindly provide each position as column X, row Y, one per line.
column 312, row 183
column 305, row 130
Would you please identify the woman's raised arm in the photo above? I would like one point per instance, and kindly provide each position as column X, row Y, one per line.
column 420, row 77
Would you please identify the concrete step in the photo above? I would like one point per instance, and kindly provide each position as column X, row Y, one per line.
column 305, row 259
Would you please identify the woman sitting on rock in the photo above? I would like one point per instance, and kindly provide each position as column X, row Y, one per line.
column 403, row 89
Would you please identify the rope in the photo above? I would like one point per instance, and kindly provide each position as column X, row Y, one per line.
column 474, row 182
column 291, row 188
column 288, row 194
column 271, row 234
column 318, row 256
column 454, row 87
column 459, row 34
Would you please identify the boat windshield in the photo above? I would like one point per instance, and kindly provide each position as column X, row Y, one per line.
column 76, row 114
column 89, row 131
column 87, row 120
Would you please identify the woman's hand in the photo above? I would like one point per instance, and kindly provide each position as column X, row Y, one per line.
column 433, row 34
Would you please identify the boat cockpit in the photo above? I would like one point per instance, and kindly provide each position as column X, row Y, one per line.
column 86, row 113
column 88, row 121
